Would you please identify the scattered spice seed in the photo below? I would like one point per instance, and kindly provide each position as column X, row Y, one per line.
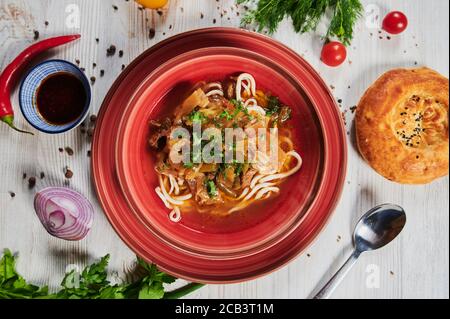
column 77, row 61
column 46, row 23
column 24, row 176
column 111, row 51
column 93, row 79
column 115, row 8
column 12, row 194
column 89, row 153
column 392, row 273
column 83, row 130
column 308, row 255
column 42, row 175
column 102, row 73
column 202, row 15
column 338, row 238
column 60, row 149
column 68, row 173
column 214, row 21
column 97, row 40
column 123, row 67
column 83, row 69
column 151, row 33
column 353, row 108
column 36, row 35
column 120, row 53
column 31, row 182
column 94, row 65
column 160, row 13
column 340, row 101
column 93, row 118
column 69, row 151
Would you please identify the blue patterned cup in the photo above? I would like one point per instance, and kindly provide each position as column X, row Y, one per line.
column 28, row 95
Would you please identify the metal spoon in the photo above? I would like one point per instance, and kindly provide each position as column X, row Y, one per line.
column 377, row 228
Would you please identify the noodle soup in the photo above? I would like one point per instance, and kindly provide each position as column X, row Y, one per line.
column 223, row 155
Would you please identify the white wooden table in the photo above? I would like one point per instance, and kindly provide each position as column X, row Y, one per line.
column 414, row 266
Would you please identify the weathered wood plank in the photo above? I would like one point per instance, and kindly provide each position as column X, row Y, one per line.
column 416, row 265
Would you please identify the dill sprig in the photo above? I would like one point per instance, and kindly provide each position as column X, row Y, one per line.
column 306, row 15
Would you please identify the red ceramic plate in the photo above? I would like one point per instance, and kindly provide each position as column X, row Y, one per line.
column 227, row 237
column 134, row 228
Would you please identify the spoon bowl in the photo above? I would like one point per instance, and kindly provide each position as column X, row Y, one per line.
column 378, row 227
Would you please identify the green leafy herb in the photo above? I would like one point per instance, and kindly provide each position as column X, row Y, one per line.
column 197, row 116
column 240, row 108
column 238, row 168
column 226, row 115
column 14, row 286
column 211, row 188
column 188, row 165
column 92, row 283
column 306, row 15
column 273, row 106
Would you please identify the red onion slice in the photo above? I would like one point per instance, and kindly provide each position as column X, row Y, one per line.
column 64, row 213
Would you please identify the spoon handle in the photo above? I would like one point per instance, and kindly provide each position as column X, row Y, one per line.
column 334, row 282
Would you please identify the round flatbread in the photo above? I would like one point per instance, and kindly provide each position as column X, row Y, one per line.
column 402, row 125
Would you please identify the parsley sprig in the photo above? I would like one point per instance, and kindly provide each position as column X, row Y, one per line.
column 91, row 283
column 306, row 15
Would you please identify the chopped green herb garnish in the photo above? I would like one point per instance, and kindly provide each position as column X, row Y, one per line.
column 211, row 188
column 239, row 168
column 188, row 165
column 226, row 115
column 197, row 116
column 240, row 108
column 273, row 105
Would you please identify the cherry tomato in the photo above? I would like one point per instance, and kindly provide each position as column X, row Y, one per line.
column 333, row 53
column 395, row 22
column 152, row 4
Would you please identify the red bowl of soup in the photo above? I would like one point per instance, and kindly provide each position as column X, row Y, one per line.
column 123, row 166
column 208, row 229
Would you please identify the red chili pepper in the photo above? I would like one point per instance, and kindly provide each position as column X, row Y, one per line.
column 11, row 74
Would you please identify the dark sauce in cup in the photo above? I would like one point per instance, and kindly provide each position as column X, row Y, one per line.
column 61, row 98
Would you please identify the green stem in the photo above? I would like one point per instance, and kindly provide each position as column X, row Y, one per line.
column 183, row 291
column 9, row 120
